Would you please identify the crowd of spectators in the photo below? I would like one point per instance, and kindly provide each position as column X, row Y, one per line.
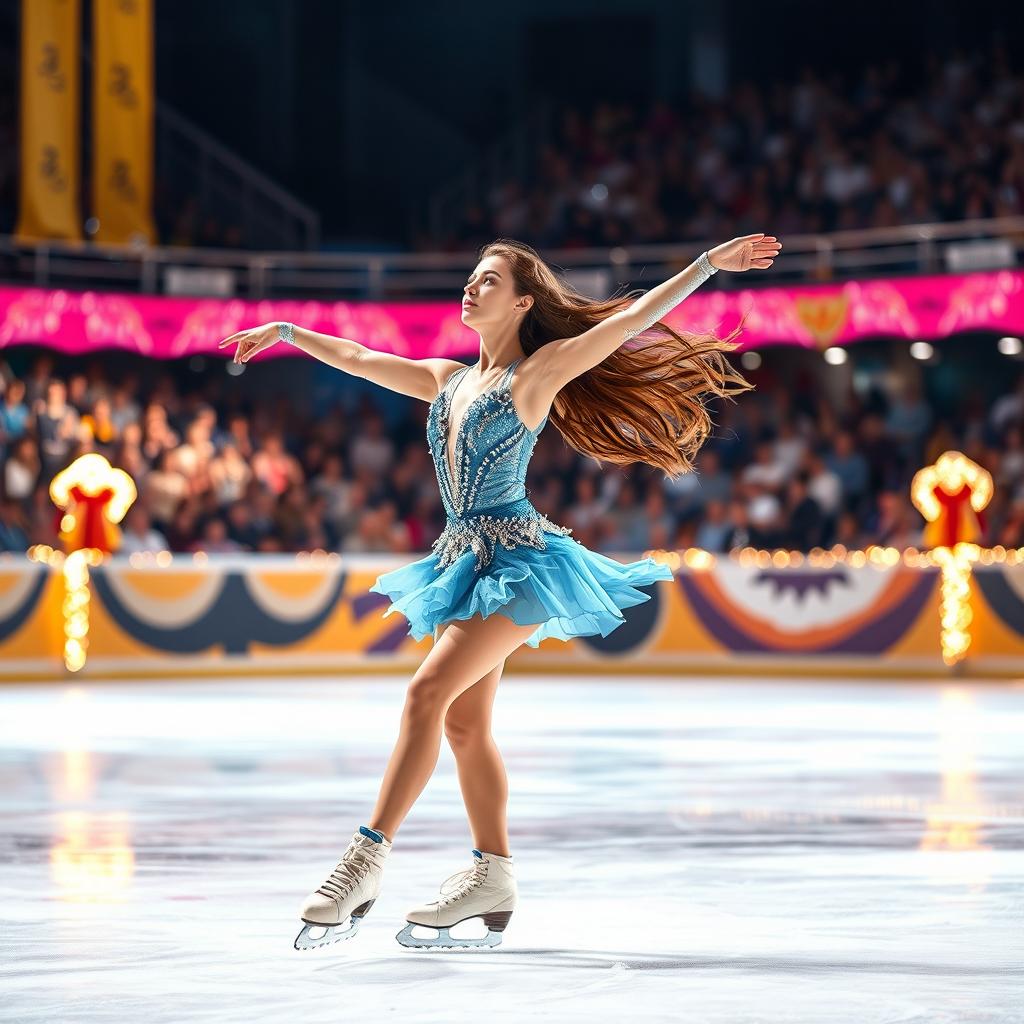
column 786, row 467
column 825, row 153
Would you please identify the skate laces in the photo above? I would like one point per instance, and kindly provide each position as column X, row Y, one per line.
column 351, row 869
column 464, row 882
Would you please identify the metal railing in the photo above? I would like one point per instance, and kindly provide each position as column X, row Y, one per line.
column 505, row 160
column 223, row 181
column 912, row 249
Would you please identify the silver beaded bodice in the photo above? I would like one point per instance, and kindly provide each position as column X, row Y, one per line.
column 484, row 492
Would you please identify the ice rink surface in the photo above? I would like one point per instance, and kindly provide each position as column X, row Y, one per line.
column 695, row 850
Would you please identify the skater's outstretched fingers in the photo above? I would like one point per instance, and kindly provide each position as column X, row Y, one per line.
column 746, row 252
column 251, row 341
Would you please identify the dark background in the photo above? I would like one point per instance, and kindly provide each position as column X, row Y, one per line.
column 363, row 109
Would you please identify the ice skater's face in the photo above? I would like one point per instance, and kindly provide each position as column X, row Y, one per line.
column 489, row 295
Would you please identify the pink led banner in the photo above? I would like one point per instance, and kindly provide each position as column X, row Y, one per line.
column 812, row 317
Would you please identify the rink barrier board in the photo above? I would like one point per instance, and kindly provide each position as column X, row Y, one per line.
column 271, row 615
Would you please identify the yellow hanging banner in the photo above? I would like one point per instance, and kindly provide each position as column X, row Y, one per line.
column 122, row 109
column 49, row 183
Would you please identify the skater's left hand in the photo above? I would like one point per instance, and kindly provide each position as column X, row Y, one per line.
column 744, row 253
column 251, row 341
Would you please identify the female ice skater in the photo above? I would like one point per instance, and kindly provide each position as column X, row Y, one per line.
column 502, row 573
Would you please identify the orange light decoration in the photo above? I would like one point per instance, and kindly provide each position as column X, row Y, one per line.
column 951, row 495
column 76, row 605
column 95, row 497
column 955, row 607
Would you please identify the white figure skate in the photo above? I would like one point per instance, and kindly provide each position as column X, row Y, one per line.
column 349, row 892
column 487, row 890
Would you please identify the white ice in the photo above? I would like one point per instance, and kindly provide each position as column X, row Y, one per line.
column 687, row 850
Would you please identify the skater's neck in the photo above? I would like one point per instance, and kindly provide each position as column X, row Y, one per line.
column 499, row 345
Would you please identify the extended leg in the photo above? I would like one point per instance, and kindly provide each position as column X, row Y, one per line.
column 482, row 776
column 465, row 652
column 488, row 890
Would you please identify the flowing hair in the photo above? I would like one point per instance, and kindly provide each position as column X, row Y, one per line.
column 642, row 403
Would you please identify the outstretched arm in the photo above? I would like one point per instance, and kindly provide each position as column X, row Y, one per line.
column 418, row 378
column 569, row 357
column 652, row 306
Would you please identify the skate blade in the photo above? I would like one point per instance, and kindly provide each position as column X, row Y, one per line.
column 444, row 939
column 309, row 939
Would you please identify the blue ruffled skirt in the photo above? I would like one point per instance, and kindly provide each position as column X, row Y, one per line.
column 566, row 589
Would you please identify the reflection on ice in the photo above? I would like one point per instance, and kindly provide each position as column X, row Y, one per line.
column 91, row 858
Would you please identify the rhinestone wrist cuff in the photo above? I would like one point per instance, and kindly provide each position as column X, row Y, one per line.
column 286, row 332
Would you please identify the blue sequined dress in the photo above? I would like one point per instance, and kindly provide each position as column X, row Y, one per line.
column 497, row 552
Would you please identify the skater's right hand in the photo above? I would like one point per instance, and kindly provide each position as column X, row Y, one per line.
column 251, row 341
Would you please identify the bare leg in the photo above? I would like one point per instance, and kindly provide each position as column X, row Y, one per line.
column 481, row 770
column 466, row 651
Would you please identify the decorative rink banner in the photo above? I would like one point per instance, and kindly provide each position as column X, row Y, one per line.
column 813, row 317
column 123, row 105
column 49, row 121
column 290, row 615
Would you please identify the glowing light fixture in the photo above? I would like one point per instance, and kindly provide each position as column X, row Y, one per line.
column 951, row 495
column 95, row 497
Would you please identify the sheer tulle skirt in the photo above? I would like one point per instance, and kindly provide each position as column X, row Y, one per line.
column 566, row 589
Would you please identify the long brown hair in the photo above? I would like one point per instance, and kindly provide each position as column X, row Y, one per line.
column 645, row 401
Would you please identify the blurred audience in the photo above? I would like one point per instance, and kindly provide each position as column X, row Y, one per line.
column 825, row 152
column 786, row 467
